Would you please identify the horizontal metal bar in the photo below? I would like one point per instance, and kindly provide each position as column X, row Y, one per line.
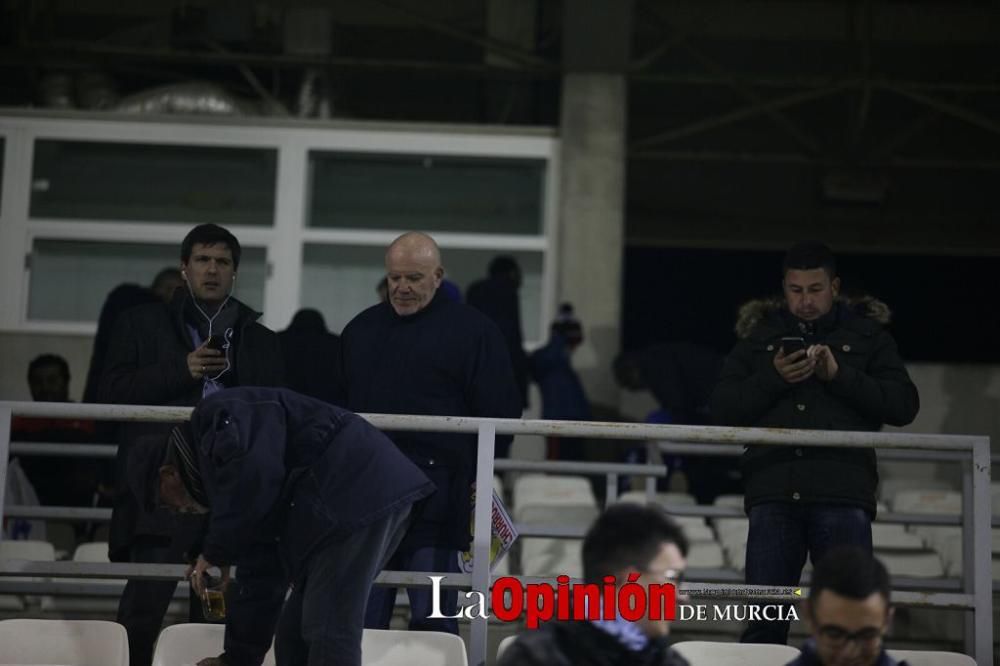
column 885, row 454
column 714, row 580
column 72, row 514
column 99, row 514
column 64, row 450
column 641, row 431
column 591, row 468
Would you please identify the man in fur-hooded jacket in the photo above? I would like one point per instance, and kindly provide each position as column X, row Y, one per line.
column 848, row 376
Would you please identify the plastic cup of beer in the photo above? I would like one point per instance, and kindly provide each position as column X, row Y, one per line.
column 213, row 599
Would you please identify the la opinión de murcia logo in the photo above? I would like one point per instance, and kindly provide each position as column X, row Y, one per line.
column 541, row 602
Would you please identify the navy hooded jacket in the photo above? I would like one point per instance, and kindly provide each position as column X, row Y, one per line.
column 280, row 466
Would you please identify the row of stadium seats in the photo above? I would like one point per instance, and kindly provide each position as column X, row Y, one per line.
column 101, row 643
column 917, row 551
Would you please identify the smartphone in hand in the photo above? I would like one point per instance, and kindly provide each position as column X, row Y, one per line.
column 217, row 342
column 791, row 345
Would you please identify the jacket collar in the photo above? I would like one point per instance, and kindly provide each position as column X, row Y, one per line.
column 765, row 318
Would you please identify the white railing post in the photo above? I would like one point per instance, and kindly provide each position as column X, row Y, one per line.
column 481, row 537
column 5, row 419
column 982, row 551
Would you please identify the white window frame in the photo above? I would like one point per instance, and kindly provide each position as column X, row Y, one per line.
column 284, row 241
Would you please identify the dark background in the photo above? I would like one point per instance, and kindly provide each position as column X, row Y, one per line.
column 945, row 309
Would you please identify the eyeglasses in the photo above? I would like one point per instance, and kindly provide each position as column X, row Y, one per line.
column 838, row 637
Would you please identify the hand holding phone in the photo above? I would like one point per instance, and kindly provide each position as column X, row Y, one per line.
column 216, row 342
column 791, row 345
column 793, row 366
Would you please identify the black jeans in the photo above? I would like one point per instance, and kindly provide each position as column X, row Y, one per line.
column 144, row 602
column 781, row 534
column 322, row 621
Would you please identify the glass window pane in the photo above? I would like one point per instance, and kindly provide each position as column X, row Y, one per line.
column 340, row 281
column 71, row 279
column 153, row 183
column 429, row 193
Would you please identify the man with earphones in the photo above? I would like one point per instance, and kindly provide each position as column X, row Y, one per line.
column 176, row 353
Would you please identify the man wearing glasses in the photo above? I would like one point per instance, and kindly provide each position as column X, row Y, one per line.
column 625, row 539
column 847, row 612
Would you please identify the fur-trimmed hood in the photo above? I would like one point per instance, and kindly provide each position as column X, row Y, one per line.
column 753, row 312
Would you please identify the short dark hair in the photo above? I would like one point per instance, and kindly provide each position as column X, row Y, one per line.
column 810, row 255
column 210, row 234
column 167, row 274
column 503, row 265
column 49, row 359
column 850, row 571
column 625, row 536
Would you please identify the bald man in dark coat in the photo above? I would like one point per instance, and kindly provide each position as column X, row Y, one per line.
column 421, row 353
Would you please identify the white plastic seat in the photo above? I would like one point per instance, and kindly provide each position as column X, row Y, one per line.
column 932, row 658
column 535, row 488
column 707, row 653
column 729, row 500
column 676, row 499
column 927, row 501
column 926, row 564
column 699, row 533
column 551, row 557
column 732, row 531
column 706, row 555
column 736, row 556
column 560, row 500
column 895, row 537
column 76, row 642
column 504, row 644
column 388, row 647
column 888, row 488
column 187, row 644
column 87, row 552
column 34, row 551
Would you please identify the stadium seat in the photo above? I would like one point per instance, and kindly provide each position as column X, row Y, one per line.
column 890, row 487
column 639, row 497
column 564, row 500
column 187, row 644
column 735, row 501
column 893, row 536
column 699, row 533
column 36, row 551
column 504, row 644
column 931, row 658
column 732, row 530
column 926, row 564
column 927, row 501
column 76, row 642
column 706, row 653
column 551, row 557
column 706, row 555
column 736, row 555
column 388, row 647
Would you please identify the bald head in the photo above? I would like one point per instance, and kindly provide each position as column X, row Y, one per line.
column 413, row 271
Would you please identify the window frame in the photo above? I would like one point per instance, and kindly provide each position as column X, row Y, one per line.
column 285, row 239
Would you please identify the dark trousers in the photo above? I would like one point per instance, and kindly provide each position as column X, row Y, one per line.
column 323, row 618
column 382, row 599
column 143, row 604
column 781, row 534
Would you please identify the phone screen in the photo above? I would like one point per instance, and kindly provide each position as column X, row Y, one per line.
column 791, row 345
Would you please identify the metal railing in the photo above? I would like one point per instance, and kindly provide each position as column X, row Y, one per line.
column 977, row 572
